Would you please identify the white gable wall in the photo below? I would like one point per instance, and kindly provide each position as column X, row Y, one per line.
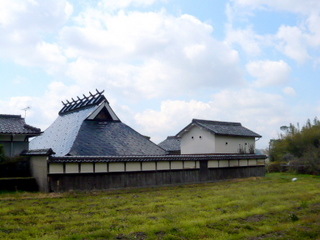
column 231, row 144
column 197, row 141
column 201, row 141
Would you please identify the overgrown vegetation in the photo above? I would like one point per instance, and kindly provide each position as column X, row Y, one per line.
column 298, row 148
column 2, row 157
column 273, row 207
column 17, row 166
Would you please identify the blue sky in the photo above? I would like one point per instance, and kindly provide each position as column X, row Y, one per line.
column 164, row 62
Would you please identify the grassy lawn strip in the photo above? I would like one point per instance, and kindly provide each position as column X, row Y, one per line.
column 273, row 207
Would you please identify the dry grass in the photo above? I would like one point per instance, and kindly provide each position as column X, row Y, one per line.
column 273, row 207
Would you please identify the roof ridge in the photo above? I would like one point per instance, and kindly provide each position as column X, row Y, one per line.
column 10, row 116
column 27, row 126
column 216, row 122
column 84, row 102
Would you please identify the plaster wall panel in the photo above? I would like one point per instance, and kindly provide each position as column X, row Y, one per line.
column 231, row 144
column 223, row 163
column 101, row 167
column 56, row 168
column 116, row 167
column 176, row 165
column 197, row 164
column 72, row 168
column 197, row 141
column 213, row 164
column 133, row 166
column 163, row 165
column 234, row 163
column 243, row 163
column 148, row 166
column 189, row 164
column 252, row 162
column 87, row 167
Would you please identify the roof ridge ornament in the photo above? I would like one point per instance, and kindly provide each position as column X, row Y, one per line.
column 83, row 102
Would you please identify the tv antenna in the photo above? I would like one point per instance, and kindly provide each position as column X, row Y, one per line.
column 25, row 111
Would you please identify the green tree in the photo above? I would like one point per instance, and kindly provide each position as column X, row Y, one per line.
column 302, row 145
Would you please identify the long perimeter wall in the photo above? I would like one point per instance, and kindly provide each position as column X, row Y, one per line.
column 90, row 174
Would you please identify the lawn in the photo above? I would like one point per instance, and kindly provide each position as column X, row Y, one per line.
column 272, row 207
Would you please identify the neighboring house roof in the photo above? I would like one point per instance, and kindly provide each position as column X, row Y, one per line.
column 171, row 144
column 15, row 124
column 38, row 152
column 220, row 128
column 88, row 126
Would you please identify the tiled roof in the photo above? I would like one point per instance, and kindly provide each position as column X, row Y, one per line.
column 111, row 138
column 66, row 159
column 15, row 124
column 221, row 128
column 81, row 130
column 60, row 135
column 172, row 143
column 38, row 152
column 81, row 103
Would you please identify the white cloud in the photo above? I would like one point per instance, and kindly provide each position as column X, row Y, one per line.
column 249, row 41
column 289, row 91
column 259, row 111
column 118, row 4
column 34, row 15
column 299, row 41
column 269, row 73
column 295, row 6
column 15, row 105
column 149, row 54
column 23, row 25
column 172, row 117
column 293, row 43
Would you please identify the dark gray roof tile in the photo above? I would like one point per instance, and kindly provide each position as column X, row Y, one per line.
column 111, row 138
column 66, row 159
column 172, row 143
column 222, row 128
column 15, row 124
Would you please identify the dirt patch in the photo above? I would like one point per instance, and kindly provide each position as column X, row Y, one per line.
column 135, row 235
column 255, row 218
column 160, row 234
column 274, row 235
column 139, row 235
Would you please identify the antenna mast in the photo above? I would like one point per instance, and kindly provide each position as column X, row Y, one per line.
column 25, row 111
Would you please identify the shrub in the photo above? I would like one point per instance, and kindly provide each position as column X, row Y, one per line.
column 2, row 158
column 274, row 167
column 296, row 166
column 15, row 167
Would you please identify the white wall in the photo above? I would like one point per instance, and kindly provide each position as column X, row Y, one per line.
column 200, row 141
column 197, row 141
column 230, row 144
column 38, row 165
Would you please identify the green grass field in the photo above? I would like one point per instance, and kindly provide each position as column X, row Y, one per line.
column 272, row 207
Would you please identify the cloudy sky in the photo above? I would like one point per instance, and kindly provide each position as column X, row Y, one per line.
column 164, row 62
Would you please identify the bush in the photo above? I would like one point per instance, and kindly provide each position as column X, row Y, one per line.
column 15, row 167
column 274, row 167
column 19, row 184
column 277, row 167
column 297, row 166
column 2, row 158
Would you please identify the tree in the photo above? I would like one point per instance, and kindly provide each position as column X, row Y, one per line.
column 297, row 144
